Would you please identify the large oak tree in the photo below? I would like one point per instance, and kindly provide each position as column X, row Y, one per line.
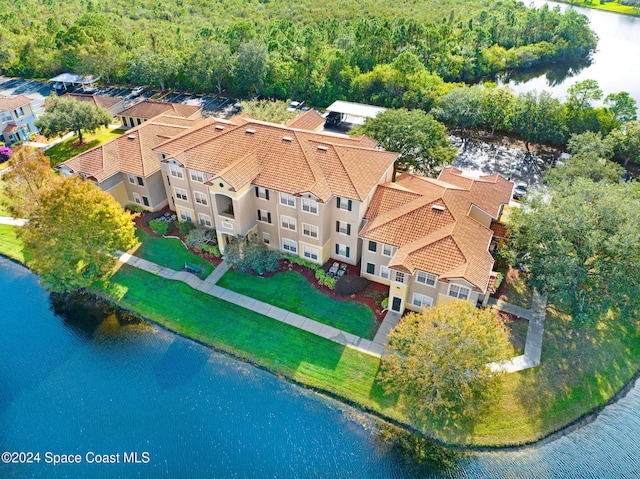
column 63, row 115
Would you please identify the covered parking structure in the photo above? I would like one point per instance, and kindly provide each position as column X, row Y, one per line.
column 66, row 80
column 352, row 113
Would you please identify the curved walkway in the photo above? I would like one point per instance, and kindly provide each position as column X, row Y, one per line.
column 533, row 346
column 208, row 286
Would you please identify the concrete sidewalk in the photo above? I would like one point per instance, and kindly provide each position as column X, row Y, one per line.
column 208, row 286
column 6, row 220
column 533, row 346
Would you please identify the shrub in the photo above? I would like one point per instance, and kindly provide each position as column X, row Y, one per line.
column 348, row 285
column 197, row 236
column 498, row 281
column 385, row 303
column 302, row 262
column 134, row 208
column 211, row 249
column 159, row 227
column 5, row 153
column 251, row 255
column 185, row 228
column 330, row 283
column 320, row 275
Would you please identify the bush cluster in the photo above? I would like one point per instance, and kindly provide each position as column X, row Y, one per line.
column 134, row 208
column 159, row 227
column 185, row 228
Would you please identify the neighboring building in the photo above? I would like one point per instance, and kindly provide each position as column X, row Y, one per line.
column 301, row 192
column 17, row 120
column 429, row 239
column 126, row 166
column 113, row 105
column 146, row 109
column 309, row 120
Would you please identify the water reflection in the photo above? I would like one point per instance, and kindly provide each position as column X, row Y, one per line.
column 556, row 74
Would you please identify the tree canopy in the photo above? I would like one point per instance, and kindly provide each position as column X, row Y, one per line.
column 438, row 360
column 275, row 111
column 419, row 138
column 581, row 245
column 63, row 115
column 73, row 234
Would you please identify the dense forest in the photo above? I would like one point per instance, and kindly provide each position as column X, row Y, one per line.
column 317, row 51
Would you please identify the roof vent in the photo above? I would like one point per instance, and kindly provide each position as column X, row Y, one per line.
column 132, row 137
column 438, row 207
column 219, row 127
column 251, row 132
column 287, row 138
column 322, row 147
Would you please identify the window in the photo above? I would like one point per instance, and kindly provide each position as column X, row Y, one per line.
column 185, row 216
column 136, row 198
column 145, row 201
column 139, row 121
column 426, row 278
column 262, row 193
column 140, row 181
column 399, row 277
column 132, row 179
column 310, row 253
column 421, row 300
column 181, row 194
column 342, row 227
column 309, row 205
column 205, row 220
column 287, row 200
column 371, row 268
column 384, row 272
column 19, row 112
column 6, row 116
column 342, row 250
column 197, row 176
column 344, row 204
column 266, row 238
column 288, row 223
column 459, row 292
column 309, row 230
column 387, row 250
column 289, row 245
column 176, row 171
column 200, row 198
column 373, row 246
column 264, row 216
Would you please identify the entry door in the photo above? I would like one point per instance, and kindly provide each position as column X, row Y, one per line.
column 395, row 304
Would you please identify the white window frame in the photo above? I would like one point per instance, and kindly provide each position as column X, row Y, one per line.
column 181, row 194
column 288, row 223
column 399, row 277
column 343, row 228
column 266, row 237
column 460, row 293
column 176, row 171
column 343, row 203
column 197, row 176
column 205, row 220
column 428, row 279
column 310, row 253
column 289, row 245
column 262, row 192
column 384, row 250
column 136, row 198
column 186, row 216
column 342, row 250
column 264, row 216
column 385, row 272
column 422, row 300
column 132, row 178
column 309, row 205
column 200, row 198
column 312, row 231
column 287, row 200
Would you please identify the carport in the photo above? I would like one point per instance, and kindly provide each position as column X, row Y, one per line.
column 64, row 80
column 353, row 113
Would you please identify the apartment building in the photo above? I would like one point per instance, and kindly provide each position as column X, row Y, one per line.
column 429, row 239
column 17, row 120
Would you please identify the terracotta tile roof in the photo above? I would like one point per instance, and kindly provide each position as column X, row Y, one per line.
column 308, row 120
column 98, row 100
column 499, row 229
column 150, row 109
column 10, row 128
column 428, row 221
column 132, row 152
column 11, row 103
column 289, row 160
column 239, row 173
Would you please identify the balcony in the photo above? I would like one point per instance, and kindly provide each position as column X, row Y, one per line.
column 224, row 206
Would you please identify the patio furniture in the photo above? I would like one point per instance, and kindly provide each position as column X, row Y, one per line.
column 193, row 268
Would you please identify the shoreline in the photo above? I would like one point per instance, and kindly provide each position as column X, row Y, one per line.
column 584, row 419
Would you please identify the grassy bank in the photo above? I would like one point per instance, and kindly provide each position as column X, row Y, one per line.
column 10, row 245
column 291, row 291
column 613, row 7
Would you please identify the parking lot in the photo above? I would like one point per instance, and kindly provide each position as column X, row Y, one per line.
column 39, row 90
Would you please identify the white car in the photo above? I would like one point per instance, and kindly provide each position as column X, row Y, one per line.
column 295, row 105
column 137, row 91
column 519, row 191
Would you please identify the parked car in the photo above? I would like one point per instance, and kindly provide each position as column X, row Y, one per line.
column 519, row 191
column 295, row 105
column 137, row 91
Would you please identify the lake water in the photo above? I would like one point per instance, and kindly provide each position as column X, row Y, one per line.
column 616, row 64
column 93, row 382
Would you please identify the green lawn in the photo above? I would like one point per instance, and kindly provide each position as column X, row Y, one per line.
column 3, row 208
column 291, row 291
column 65, row 149
column 614, row 7
column 169, row 252
column 10, row 245
column 286, row 350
